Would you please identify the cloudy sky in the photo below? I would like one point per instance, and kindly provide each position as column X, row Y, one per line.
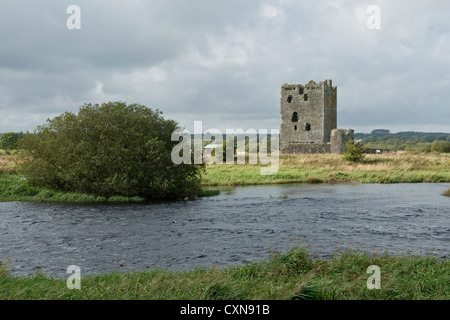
column 223, row 61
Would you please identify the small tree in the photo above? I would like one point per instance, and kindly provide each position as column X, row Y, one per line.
column 112, row 149
column 9, row 141
column 354, row 152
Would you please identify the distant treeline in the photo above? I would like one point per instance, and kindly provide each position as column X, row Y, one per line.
column 380, row 139
column 408, row 140
column 10, row 140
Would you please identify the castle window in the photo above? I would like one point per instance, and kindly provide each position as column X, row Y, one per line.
column 300, row 90
column 295, row 128
column 295, row 117
column 305, row 97
column 289, row 99
column 308, row 127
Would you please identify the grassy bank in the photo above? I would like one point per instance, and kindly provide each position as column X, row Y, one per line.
column 316, row 168
column 14, row 187
column 293, row 275
column 330, row 168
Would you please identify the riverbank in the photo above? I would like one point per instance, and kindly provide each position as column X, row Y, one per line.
column 294, row 275
column 402, row 167
column 14, row 187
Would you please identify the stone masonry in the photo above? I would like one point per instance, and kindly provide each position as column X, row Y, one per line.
column 308, row 119
column 339, row 139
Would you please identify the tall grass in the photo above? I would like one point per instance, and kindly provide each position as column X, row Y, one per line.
column 447, row 193
column 8, row 163
column 330, row 168
column 292, row 275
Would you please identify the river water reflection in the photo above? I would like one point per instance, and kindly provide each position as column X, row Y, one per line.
column 239, row 225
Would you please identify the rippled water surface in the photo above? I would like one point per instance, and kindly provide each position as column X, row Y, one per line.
column 239, row 225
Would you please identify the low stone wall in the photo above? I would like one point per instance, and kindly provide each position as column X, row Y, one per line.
column 338, row 143
column 297, row 148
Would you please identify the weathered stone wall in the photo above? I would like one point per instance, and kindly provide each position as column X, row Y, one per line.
column 309, row 119
column 330, row 119
column 308, row 112
column 298, row 148
column 339, row 139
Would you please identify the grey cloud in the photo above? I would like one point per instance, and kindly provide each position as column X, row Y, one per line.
column 224, row 61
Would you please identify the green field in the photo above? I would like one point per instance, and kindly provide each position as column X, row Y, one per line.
column 402, row 167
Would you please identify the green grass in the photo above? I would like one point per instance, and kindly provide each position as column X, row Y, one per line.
column 209, row 193
column 14, row 187
column 292, row 275
column 331, row 168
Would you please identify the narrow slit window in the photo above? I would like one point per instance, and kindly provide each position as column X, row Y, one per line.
column 300, row 90
column 305, row 97
column 295, row 127
column 295, row 117
column 289, row 99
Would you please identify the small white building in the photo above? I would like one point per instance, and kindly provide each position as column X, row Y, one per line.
column 207, row 150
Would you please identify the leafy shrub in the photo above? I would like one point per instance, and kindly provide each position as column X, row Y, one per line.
column 112, row 149
column 440, row 147
column 354, row 152
column 426, row 149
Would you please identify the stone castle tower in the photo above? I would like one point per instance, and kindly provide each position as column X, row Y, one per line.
column 309, row 119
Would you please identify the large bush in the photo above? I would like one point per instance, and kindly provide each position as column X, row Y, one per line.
column 440, row 146
column 112, row 149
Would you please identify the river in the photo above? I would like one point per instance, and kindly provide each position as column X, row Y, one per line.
column 237, row 226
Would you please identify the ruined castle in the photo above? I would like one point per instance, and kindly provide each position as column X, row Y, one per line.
column 309, row 119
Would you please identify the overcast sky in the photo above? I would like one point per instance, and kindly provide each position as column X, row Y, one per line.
column 223, row 62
